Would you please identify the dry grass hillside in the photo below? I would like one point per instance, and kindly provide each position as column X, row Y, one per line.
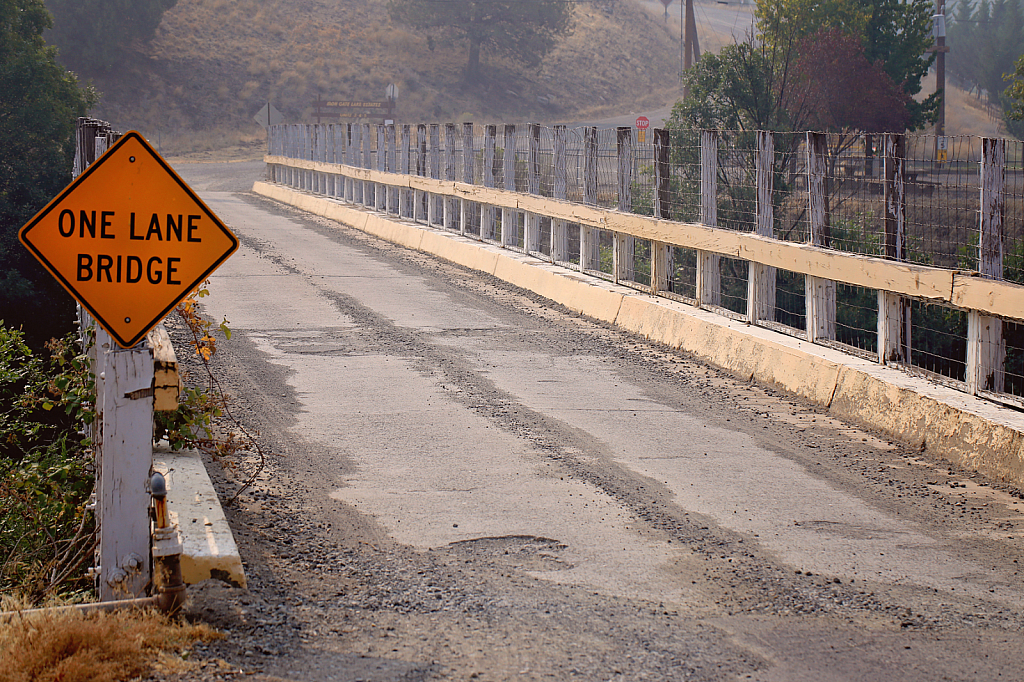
column 214, row 63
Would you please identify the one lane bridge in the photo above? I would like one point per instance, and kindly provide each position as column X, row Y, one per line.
column 477, row 483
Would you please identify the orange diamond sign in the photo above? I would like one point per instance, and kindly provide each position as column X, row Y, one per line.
column 129, row 239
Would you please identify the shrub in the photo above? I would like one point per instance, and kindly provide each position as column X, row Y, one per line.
column 46, row 536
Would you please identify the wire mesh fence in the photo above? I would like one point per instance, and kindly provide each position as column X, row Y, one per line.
column 1012, row 200
column 682, row 279
column 954, row 203
column 939, row 215
column 938, row 340
column 857, row 318
column 734, row 275
column 1010, row 379
column 790, row 302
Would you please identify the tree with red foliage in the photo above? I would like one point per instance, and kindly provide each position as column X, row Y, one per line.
column 838, row 90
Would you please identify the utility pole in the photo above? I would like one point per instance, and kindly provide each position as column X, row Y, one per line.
column 690, row 44
column 940, row 49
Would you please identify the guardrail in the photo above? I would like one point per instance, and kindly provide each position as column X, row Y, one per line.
column 867, row 305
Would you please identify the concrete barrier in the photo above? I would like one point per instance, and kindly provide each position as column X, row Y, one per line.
column 208, row 547
column 967, row 431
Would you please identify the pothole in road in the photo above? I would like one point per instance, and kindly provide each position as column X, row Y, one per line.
column 528, row 552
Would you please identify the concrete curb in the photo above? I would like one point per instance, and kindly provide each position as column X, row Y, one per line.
column 969, row 432
column 208, row 547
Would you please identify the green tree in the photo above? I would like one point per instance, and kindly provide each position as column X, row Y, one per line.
column 1016, row 90
column 798, row 19
column 963, row 64
column 92, row 35
column 523, row 30
column 39, row 102
column 1014, row 100
column 894, row 33
column 985, row 41
column 898, row 34
column 745, row 87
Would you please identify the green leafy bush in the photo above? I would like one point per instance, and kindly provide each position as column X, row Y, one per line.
column 46, row 535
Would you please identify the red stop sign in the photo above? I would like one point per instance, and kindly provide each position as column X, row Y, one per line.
column 643, row 123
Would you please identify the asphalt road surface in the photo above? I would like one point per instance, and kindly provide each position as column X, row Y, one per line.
column 471, row 483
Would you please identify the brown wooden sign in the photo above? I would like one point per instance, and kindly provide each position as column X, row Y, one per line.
column 325, row 108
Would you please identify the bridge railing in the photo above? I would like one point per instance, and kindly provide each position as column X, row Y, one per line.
column 846, row 241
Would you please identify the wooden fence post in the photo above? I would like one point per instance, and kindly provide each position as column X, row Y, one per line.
column 405, row 202
column 322, row 157
column 709, row 265
column 419, row 212
column 986, row 347
column 352, row 138
column 122, row 433
column 468, row 174
column 661, row 253
column 624, row 246
column 590, row 247
column 434, row 211
column 354, row 154
column 487, row 213
column 391, row 166
column 559, row 232
column 532, row 241
column 761, row 280
column 893, row 311
column 337, row 154
column 449, row 174
column 368, row 188
column 509, row 217
column 819, row 294
column 125, row 393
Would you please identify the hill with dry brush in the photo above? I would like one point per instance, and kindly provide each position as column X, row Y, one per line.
column 214, row 63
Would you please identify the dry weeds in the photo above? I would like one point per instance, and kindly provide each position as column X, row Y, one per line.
column 101, row 647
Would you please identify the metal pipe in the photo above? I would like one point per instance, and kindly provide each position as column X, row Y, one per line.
column 167, row 578
column 92, row 607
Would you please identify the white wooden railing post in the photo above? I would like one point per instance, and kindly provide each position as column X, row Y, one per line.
column 559, row 232
column 321, row 178
column 661, row 253
column 986, row 347
column 487, row 213
column 509, row 217
column 383, row 192
column 709, row 265
column 893, row 311
column 351, row 143
column 404, row 166
column 391, row 166
column 624, row 246
column 335, row 158
column 419, row 212
column 590, row 248
column 819, row 294
column 355, row 150
column 368, row 187
column 449, row 174
column 434, row 210
column 532, row 241
column 761, row 280
column 468, row 175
